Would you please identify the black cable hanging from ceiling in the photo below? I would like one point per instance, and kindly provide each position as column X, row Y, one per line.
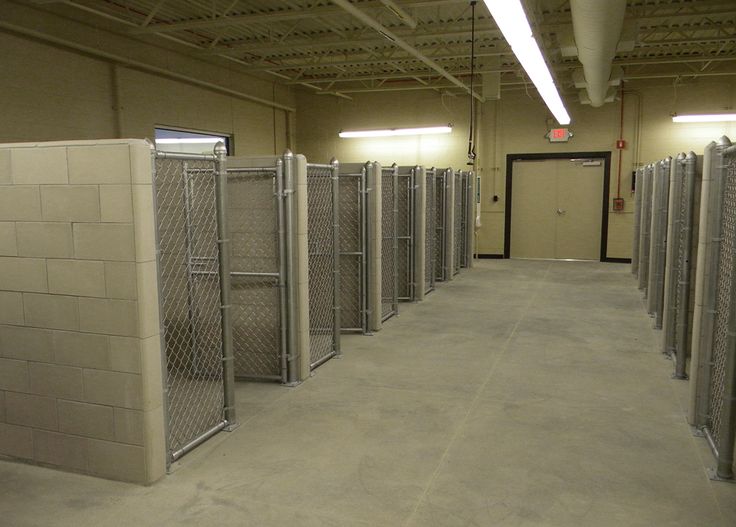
column 471, row 144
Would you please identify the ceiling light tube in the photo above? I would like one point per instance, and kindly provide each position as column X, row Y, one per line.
column 704, row 118
column 513, row 23
column 392, row 132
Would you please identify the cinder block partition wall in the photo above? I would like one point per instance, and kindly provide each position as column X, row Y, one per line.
column 80, row 357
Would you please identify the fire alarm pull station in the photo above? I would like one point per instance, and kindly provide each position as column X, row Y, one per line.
column 618, row 204
column 620, row 144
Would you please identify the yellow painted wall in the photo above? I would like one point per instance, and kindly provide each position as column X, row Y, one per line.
column 53, row 93
column 517, row 124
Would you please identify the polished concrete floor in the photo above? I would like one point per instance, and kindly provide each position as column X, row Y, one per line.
column 521, row 394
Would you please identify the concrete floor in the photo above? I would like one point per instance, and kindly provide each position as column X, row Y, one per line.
column 521, row 394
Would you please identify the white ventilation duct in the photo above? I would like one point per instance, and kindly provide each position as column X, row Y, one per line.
column 597, row 26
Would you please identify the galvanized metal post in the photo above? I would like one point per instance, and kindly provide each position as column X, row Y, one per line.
column 365, row 231
column 223, row 242
column 336, row 253
column 283, row 299
column 683, row 313
column 715, row 206
column 291, row 282
column 395, row 184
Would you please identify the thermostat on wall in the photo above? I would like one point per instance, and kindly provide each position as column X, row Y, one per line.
column 559, row 135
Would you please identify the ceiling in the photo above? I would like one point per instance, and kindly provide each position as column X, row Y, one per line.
column 343, row 47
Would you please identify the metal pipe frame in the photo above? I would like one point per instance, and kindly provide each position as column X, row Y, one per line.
column 682, row 322
column 395, row 175
column 646, row 213
column 707, row 321
column 223, row 243
column 658, row 245
column 365, row 253
column 440, row 227
column 291, row 282
column 469, row 218
column 672, row 268
column 431, row 226
column 362, row 254
column 282, row 275
column 335, row 168
column 727, row 436
column 161, row 317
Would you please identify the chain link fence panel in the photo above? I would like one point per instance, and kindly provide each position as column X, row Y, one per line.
column 405, row 236
column 353, row 230
column 255, row 221
column 440, row 256
column 431, row 228
column 646, row 227
column 658, row 241
column 724, row 307
column 389, row 243
column 190, row 298
column 321, row 220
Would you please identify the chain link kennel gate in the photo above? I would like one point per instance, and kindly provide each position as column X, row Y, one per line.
column 194, row 281
column 441, row 223
column 323, row 213
column 681, row 249
column 646, row 227
column 354, row 261
column 259, row 279
column 658, row 241
column 715, row 381
column 389, row 242
column 406, row 234
column 430, row 218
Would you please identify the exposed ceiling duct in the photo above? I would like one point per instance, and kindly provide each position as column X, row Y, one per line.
column 597, row 26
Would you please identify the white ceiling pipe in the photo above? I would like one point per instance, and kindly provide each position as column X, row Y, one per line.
column 597, row 26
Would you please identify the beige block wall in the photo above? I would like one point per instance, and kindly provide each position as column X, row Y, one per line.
column 80, row 354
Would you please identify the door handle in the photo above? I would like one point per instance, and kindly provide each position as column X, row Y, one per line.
column 561, row 212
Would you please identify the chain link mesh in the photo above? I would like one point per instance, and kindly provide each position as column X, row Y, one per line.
column 405, row 235
column 723, row 302
column 440, row 223
column 646, row 223
column 430, row 215
column 681, row 251
column 388, row 244
column 351, row 251
column 190, row 297
column 458, row 222
column 464, row 220
column 253, row 218
column 320, row 222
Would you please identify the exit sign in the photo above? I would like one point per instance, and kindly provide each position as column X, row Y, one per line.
column 559, row 135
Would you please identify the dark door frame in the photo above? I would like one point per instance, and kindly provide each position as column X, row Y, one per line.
column 605, row 156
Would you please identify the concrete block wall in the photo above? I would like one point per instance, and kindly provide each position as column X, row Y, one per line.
column 80, row 353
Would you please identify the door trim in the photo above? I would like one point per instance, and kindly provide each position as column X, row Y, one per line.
column 605, row 156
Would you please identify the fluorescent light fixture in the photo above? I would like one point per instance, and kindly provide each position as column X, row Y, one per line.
column 705, row 118
column 511, row 20
column 189, row 140
column 392, row 132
